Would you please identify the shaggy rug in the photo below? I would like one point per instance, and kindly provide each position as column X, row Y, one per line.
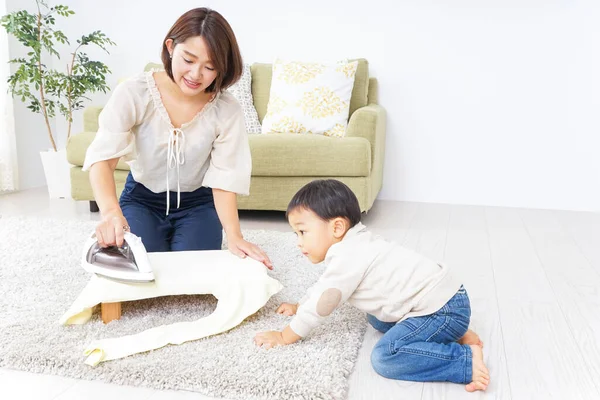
column 40, row 276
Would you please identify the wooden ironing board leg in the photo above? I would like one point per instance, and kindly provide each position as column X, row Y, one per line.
column 110, row 312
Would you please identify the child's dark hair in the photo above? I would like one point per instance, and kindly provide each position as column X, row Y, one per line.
column 329, row 199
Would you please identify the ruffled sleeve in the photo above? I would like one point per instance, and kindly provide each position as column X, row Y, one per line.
column 114, row 138
column 230, row 165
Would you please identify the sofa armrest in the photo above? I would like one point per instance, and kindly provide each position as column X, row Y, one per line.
column 369, row 122
column 77, row 146
column 90, row 118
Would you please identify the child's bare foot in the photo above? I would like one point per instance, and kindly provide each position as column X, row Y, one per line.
column 470, row 338
column 481, row 375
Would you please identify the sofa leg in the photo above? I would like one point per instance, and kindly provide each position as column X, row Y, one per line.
column 94, row 206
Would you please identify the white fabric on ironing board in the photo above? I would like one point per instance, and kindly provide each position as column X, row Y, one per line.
column 241, row 286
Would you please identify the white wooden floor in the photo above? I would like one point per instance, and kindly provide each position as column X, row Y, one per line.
column 533, row 277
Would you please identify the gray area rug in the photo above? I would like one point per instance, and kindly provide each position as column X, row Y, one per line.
column 40, row 276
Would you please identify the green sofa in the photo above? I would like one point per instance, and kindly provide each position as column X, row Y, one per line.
column 282, row 163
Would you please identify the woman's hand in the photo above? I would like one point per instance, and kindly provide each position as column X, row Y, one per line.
column 226, row 206
column 242, row 248
column 110, row 230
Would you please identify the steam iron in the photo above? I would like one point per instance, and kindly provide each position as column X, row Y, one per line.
column 128, row 263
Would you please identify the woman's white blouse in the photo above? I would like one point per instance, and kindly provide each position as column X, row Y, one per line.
column 211, row 150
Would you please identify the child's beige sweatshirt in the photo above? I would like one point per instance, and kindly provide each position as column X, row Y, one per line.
column 378, row 277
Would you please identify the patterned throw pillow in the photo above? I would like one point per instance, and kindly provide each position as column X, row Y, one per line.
column 242, row 91
column 310, row 98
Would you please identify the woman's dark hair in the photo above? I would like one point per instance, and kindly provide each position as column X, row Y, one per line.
column 223, row 48
column 329, row 199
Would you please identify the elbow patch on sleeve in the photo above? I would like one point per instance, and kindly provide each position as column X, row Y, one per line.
column 328, row 301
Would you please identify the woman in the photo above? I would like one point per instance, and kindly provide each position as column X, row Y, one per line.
column 185, row 141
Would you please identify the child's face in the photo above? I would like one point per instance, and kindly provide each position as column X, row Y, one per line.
column 315, row 236
column 193, row 71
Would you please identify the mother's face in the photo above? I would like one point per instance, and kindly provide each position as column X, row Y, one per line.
column 193, row 70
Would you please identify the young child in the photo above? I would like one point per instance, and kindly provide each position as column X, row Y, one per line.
column 419, row 305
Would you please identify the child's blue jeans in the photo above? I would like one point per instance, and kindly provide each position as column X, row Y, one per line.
column 424, row 349
column 194, row 225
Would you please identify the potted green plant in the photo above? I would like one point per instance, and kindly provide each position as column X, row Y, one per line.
column 49, row 90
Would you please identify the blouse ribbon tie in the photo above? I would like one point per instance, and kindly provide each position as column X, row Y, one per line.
column 175, row 158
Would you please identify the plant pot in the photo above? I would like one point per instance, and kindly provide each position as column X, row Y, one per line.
column 56, row 169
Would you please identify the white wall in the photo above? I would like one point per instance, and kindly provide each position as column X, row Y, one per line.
column 490, row 103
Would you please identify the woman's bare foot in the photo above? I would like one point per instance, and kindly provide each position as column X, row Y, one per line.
column 470, row 338
column 481, row 375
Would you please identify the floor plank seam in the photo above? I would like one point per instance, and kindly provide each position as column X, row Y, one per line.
column 487, row 230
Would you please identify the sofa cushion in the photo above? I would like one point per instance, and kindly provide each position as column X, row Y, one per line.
column 261, row 86
column 290, row 154
column 77, row 147
column 242, row 91
column 310, row 98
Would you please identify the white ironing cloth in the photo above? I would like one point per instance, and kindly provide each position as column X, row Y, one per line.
column 241, row 286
